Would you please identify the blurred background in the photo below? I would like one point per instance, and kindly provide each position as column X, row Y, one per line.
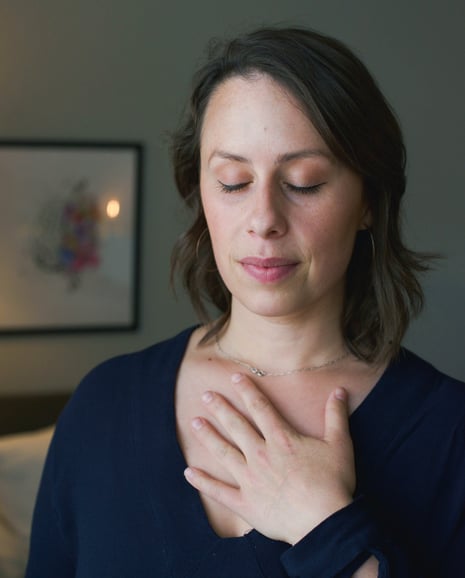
column 120, row 70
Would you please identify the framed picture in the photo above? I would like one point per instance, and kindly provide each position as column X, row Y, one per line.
column 69, row 236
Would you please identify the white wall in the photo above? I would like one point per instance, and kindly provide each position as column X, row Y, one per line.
column 120, row 70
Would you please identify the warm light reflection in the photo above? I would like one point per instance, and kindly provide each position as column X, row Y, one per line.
column 113, row 208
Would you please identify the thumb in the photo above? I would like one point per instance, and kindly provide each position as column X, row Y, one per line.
column 337, row 416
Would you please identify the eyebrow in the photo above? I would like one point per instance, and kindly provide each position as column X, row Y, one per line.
column 228, row 156
column 303, row 154
column 284, row 158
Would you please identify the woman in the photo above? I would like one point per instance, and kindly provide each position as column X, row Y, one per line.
column 312, row 443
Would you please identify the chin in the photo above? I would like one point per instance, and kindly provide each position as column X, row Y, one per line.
column 273, row 307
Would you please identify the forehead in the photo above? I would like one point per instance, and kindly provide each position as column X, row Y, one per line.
column 257, row 110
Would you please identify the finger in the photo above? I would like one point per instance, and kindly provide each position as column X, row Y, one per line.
column 215, row 489
column 235, row 424
column 220, row 448
column 337, row 416
column 265, row 415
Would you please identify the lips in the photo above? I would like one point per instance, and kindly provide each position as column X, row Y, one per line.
column 268, row 270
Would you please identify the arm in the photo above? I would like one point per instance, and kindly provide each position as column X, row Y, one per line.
column 48, row 555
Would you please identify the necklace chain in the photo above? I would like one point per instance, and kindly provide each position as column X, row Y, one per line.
column 263, row 373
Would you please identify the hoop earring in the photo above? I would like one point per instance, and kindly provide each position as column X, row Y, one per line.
column 373, row 247
column 199, row 240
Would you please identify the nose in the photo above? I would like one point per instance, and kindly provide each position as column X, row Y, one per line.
column 267, row 217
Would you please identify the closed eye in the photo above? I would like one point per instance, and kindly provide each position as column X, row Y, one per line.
column 231, row 188
column 307, row 190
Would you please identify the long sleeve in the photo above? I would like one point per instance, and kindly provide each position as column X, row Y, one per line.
column 342, row 543
column 113, row 500
column 49, row 555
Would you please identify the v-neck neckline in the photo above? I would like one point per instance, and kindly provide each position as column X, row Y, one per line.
column 190, row 543
column 174, row 502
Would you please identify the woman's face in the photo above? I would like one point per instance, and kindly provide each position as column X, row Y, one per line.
column 282, row 212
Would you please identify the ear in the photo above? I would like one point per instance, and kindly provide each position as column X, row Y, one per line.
column 366, row 220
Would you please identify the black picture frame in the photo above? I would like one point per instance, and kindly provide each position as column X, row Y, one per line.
column 70, row 230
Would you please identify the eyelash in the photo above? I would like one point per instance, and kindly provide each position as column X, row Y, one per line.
column 232, row 188
column 312, row 189
column 301, row 190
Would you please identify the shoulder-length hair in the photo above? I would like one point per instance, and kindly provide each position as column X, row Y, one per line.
column 346, row 107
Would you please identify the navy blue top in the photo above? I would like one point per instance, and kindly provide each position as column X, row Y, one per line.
column 113, row 501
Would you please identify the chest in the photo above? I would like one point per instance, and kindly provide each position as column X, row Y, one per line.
column 302, row 407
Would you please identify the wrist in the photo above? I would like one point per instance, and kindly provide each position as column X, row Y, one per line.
column 346, row 540
column 311, row 520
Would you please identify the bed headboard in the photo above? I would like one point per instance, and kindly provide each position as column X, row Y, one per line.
column 28, row 412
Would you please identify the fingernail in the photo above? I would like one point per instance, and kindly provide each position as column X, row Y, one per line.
column 207, row 397
column 340, row 393
column 197, row 423
column 236, row 377
column 188, row 473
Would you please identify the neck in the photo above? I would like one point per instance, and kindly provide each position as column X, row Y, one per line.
column 282, row 344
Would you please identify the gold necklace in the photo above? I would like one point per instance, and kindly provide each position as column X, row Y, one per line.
column 263, row 373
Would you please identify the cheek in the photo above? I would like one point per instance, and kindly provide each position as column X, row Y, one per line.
column 214, row 218
column 222, row 218
column 331, row 234
column 218, row 230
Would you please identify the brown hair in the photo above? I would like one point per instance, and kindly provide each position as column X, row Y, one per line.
column 348, row 110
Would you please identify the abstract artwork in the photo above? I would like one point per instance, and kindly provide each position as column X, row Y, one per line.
column 69, row 236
